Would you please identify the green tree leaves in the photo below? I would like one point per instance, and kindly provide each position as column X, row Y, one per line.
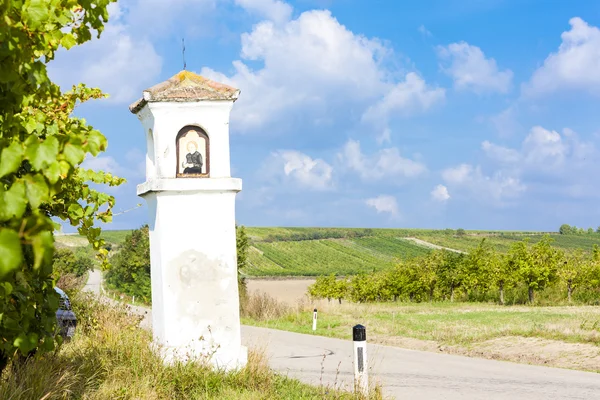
column 12, row 201
column 37, row 13
column 130, row 269
column 42, row 154
column 37, row 190
column 41, row 148
column 10, row 252
column 11, row 158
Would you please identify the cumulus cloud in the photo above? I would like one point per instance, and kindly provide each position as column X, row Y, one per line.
column 309, row 63
column 573, row 66
column 471, row 70
column 274, row 10
column 386, row 163
column 546, row 162
column 384, row 204
column 440, row 193
column 315, row 64
column 500, row 153
column 542, row 149
column 458, row 175
column 496, row 187
column 405, row 98
column 300, row 169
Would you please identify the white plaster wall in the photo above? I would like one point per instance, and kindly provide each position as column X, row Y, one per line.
column 167, row 119
column 147, row 120
column 195, row 301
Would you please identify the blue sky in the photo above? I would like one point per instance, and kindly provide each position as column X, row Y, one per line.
column 423, row 114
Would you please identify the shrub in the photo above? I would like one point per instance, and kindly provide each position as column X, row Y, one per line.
column 77, row 263
column 130, row 267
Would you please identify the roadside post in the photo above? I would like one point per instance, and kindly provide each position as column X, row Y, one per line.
column 133, row 300
column 361, row 368
column 315, row 320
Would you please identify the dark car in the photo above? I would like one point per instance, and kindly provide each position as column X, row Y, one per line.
column 65, row 317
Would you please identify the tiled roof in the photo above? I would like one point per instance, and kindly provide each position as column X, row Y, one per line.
column 183, row 87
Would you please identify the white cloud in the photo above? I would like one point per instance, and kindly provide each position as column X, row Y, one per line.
column 274, row 10
column 133, row 167
column 384, row 204
column 542, row 149
column 440, row 193
column 546, row 162
column 458, row 175
column 310, row 62
column 405, row 98
column 386, row 163
column 497, row 187
column 313, row 64
column 471, row 70
column 573, row 66
column 500, row 153
column 102, row 163
column 303, row 170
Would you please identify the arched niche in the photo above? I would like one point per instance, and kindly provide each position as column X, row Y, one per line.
column 193, row 153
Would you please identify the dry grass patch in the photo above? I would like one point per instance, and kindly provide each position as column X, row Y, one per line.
column 567, row 337
column 112, row 358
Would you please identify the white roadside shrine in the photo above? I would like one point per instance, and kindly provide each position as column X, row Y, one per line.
column 191, row 199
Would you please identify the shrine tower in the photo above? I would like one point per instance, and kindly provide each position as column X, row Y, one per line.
column 191, row 199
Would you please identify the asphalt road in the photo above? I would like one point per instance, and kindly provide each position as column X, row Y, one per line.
column 407, row 374
column 410, row 374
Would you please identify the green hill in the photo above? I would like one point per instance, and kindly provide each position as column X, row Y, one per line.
column 346, row 251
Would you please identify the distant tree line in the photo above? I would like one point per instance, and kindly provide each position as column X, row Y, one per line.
column 316, row 234
column 566, row 229
column 482, row 275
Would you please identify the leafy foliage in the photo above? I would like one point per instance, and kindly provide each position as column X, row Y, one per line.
column 66, row 261
column 130, row 267
column 481, row 275
column 41, row 148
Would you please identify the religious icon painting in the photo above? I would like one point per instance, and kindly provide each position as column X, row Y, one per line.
column 192, row 153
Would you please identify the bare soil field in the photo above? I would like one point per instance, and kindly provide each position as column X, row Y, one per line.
column 285, row 290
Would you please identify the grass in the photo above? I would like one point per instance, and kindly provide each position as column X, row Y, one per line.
column 484, row 330
column 111, row 358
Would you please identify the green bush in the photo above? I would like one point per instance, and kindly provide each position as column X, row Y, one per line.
column 130, row 267
column 77, row 263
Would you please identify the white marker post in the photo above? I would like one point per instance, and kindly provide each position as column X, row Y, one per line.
column 133, row 300
column 315, row 320
column 361, row 368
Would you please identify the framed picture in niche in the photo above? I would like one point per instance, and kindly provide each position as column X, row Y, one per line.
column 193, row 156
